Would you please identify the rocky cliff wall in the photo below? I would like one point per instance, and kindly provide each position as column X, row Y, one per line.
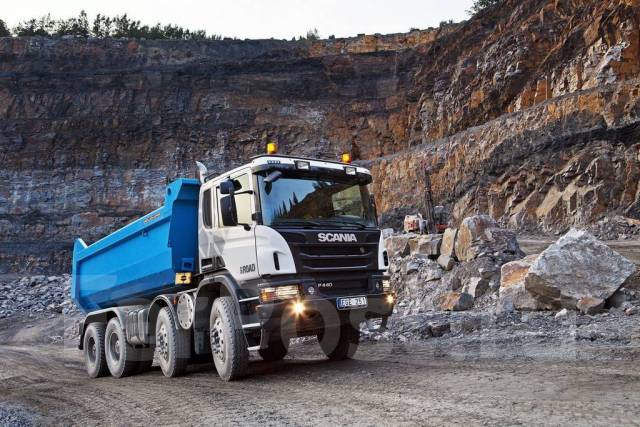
column 534, row 123
column 527, row 112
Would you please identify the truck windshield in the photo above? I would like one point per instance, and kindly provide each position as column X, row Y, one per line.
column 303, row 202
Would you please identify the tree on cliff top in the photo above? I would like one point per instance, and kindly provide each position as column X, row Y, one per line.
column 105, row 27
column 4, row 31
column 480, row 5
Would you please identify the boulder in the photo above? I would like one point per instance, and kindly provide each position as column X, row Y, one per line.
column 431, row 271
column 590, row 305
column 476, row 286
column 474, row 277
column 447, row 247
column 512, row 293
column 446, row 262
column 480, row 235
column 398, row 245
column 576, row 266
column 426, row 245
column 457, row 301
column 439, row 329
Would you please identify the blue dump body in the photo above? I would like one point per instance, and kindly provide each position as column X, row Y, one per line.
column 140, row 260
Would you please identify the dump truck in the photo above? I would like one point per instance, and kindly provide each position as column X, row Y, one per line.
column 280, row 247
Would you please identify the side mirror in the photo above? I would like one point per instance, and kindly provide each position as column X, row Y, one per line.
column 228, row 209
column 227, row 187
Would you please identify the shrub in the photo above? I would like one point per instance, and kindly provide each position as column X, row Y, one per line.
column 4, row 31
column 480, row 5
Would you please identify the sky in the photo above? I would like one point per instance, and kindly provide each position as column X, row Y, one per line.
column 257, row 19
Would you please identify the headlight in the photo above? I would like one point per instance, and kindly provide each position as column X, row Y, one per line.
column 386, row 285
column 279, row 293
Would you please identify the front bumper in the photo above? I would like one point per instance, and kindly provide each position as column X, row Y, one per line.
column 319, row 313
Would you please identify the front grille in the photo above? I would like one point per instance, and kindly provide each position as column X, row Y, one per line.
column 335, row 250
column 327, row 257
column 312, row 255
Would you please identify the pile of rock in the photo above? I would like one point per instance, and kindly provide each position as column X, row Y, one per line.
column 480, row 265
column 454, row 270
column 577, row 272
column 37, row 295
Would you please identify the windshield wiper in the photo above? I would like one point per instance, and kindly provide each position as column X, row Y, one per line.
column 297, row 222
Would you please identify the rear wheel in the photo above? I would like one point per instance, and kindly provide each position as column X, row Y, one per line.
column 277, row 350
column 93, row 346
column 172, row 344
column 121, row 357
column 339, row 343
column 228, row 344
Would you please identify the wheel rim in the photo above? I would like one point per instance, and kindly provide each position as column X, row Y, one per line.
column 217, row 339
column 114, row 347
column 162, row 343
column 92, row 351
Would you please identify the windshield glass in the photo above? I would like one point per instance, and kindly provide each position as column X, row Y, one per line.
column 300, row 201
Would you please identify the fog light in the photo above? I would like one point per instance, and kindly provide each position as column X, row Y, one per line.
column 298, row 308
column 390, row 299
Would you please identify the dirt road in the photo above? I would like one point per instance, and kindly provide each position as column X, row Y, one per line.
column 386, row 385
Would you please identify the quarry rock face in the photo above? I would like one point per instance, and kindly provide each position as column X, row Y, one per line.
column 578, row 268
column 527, row 113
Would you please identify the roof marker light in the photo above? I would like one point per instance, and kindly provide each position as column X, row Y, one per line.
column 303, row 165
column 272, row 148
column 346, row 158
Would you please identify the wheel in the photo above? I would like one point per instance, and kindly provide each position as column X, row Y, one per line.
column 121, row 357
column 172, row 344
column 93, row 345
column 228, row 344
column 277, row 350
column 340, row 343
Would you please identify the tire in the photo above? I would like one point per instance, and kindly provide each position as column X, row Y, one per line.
column 173, row 345
column 340, row 343
column 277, row 350
column 228, row 343
column 93, row 345
column 121, row 357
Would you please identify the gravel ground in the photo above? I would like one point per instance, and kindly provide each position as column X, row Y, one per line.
column 483, row 371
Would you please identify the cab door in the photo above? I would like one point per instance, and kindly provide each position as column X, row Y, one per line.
column 236, row 245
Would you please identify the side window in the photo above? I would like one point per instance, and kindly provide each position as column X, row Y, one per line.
column 243, row 201
column 206, row 209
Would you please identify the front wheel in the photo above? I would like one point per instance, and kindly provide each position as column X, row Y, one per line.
column 339, row 343
column 228, row 344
